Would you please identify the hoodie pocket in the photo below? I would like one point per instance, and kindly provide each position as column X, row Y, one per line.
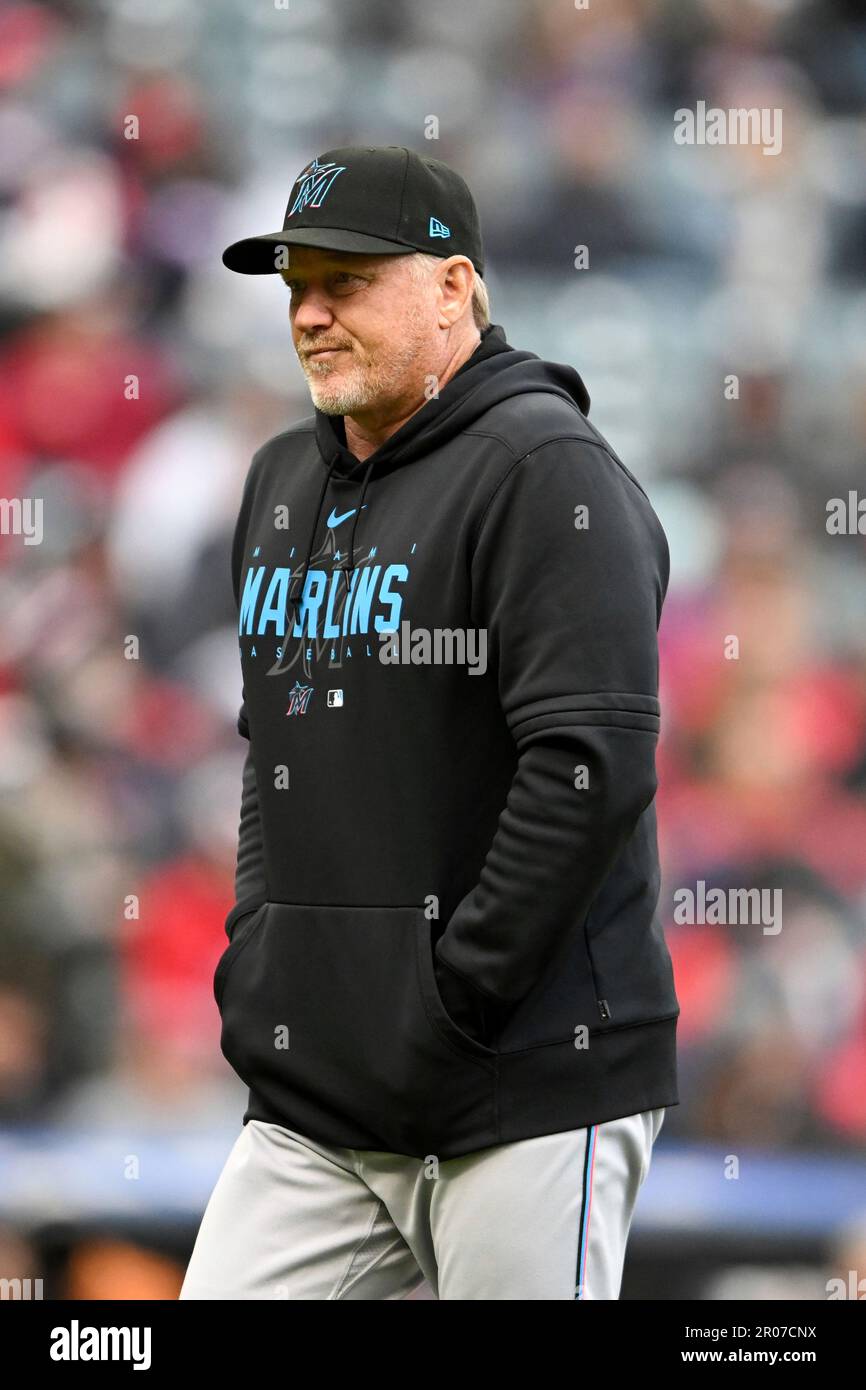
column 332, row 1016
column 439, row 1017
column 241, row 932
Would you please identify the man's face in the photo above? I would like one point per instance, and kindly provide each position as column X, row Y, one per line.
column 365, row 328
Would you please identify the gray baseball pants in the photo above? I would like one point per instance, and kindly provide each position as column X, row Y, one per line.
column 543, row 1218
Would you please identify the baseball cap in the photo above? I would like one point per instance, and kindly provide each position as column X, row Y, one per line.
column 383, row 200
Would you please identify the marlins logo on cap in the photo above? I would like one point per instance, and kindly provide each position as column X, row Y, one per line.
column 314, row 182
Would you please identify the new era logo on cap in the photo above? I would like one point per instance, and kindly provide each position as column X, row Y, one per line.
column 373, row 199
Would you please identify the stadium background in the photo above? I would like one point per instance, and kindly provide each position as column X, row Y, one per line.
column 121, row 777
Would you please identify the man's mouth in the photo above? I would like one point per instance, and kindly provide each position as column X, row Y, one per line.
column 324, row 352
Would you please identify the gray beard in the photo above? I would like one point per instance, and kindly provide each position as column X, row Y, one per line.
column 378, row 382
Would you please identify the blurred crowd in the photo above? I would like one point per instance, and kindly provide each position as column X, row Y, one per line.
column 721, row 331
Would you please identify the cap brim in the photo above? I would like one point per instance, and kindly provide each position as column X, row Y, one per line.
column 255, row 255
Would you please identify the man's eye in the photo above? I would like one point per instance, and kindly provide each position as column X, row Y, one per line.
column 338, row 279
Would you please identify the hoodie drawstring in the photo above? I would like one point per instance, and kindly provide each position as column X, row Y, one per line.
column 299, row 583
column 351, row 565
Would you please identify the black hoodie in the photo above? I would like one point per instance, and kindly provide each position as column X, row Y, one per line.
column 444, row 934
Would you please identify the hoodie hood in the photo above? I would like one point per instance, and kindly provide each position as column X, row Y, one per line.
column 494, row 372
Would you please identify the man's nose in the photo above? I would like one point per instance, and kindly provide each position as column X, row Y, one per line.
column 311, row 310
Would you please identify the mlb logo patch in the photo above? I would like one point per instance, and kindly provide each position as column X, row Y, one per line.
column 438, row 228
column 335, row 699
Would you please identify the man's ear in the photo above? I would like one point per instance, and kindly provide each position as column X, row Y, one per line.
column 456, row 279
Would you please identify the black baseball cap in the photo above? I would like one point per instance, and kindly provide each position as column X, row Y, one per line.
column 384, row 200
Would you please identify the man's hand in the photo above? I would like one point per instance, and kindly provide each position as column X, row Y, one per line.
column 473, row 1013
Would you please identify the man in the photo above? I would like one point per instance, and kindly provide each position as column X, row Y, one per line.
column 446, row 986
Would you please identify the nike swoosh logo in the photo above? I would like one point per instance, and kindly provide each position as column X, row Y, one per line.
column 334, row 520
